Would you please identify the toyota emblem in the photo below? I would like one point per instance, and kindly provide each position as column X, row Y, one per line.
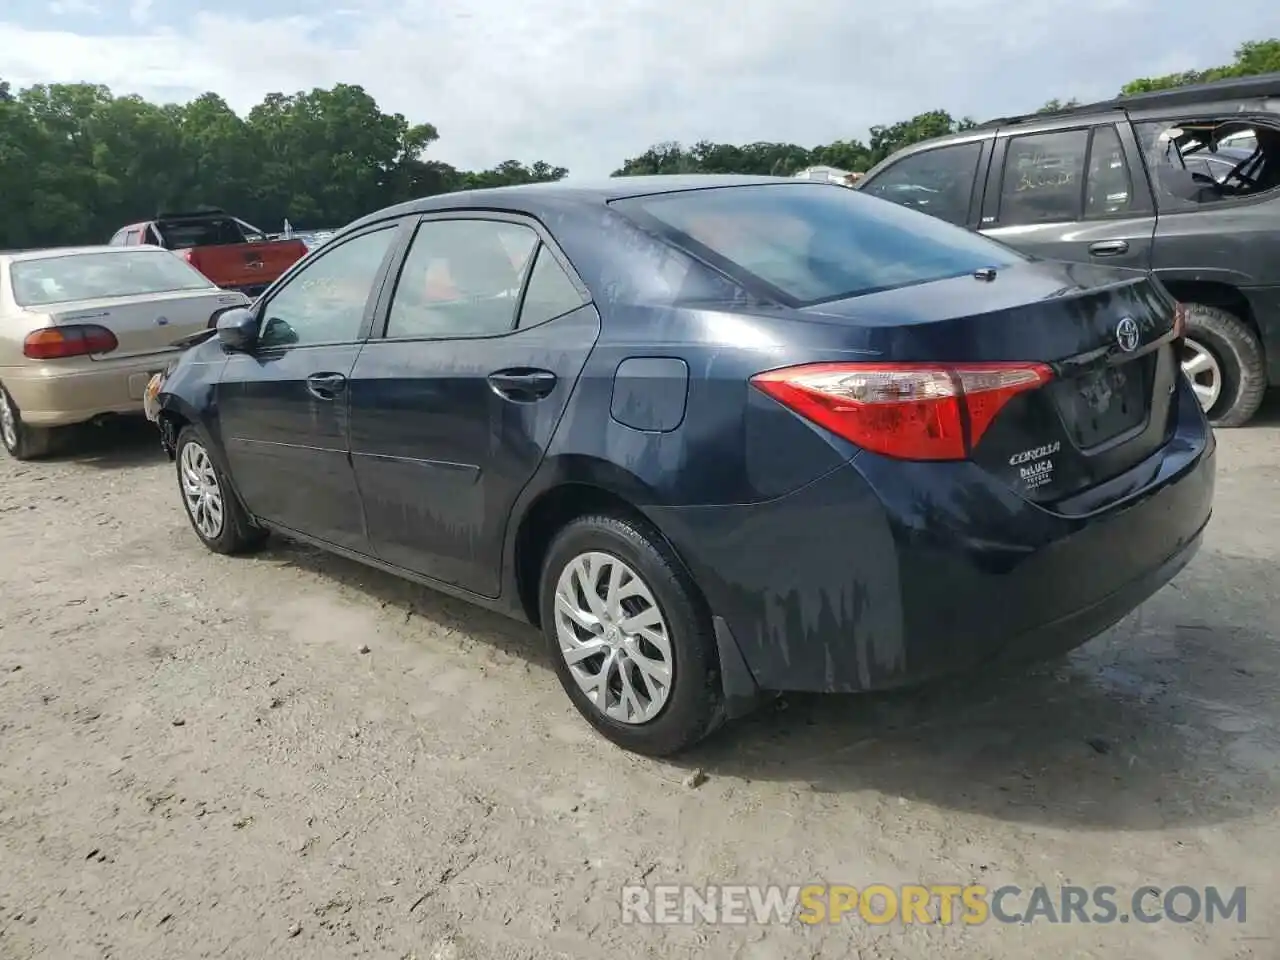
column 1128, row 334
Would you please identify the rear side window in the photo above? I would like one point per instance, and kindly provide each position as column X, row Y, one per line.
column 937, row 182
column 184, row 234
column 1109, row 188
column 550, row 292
column 461, row 278
column 1042, row 178
column 89, row 276
column 814, row 242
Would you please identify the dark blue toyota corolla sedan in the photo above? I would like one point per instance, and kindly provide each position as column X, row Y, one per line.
column 716, row 436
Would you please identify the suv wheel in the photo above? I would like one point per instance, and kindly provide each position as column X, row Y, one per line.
column 1223, row 359
column 631, row 644
column 22, row 441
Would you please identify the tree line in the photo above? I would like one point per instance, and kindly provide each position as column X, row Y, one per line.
column 77, row 162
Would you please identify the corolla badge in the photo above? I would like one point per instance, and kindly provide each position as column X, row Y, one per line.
column 1128, row 334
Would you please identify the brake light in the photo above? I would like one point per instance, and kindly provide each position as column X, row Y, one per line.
column 188, row 255
column 1179, row 321
column 55, row 343
column 907, row 411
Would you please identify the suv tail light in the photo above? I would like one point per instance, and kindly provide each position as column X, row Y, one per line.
column 55, row 343
column 908, row 411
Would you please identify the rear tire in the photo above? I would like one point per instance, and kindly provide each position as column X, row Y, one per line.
column 22, row 441
column 211, row 505
column 1241, row 374
column 664, row 624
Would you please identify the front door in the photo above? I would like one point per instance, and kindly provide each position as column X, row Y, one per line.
column 486, row 332
column 282, row 408
column 1077, row 194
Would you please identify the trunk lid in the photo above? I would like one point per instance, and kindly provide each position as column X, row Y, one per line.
column 149, row 325
column 1108, row 335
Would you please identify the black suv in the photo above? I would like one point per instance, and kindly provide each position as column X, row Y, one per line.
column 1184, row 183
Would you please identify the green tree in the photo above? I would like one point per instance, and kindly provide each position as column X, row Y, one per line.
column 77, row 163
column 1251, row 58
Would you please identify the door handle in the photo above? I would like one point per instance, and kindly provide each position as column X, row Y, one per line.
column 326, row 386
column 522, row 386
column 1109, row 248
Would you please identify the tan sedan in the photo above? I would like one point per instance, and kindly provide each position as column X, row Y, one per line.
column 83, row 329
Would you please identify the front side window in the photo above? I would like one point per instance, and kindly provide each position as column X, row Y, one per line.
column 938, row 181
column 812, row 242
column 461, row 278
column 95, row 276
column 325, row 301
column 1042, row 178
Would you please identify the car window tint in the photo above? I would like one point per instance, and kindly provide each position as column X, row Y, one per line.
column 324, row 302
column 550, row 292
column 1109, row 190
column 461, row 278
column 938, row 182
column 1042, row 174
column 814, row 241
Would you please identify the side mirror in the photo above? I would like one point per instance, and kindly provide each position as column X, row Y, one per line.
column 238, row 329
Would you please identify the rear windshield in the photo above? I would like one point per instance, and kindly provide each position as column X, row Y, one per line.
column 90, row 276
column 813, row 242
column 183, row 234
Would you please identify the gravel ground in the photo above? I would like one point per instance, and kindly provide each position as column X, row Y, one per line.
column 197, row 760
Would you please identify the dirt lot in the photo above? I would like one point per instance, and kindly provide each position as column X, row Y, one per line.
column 196, row 760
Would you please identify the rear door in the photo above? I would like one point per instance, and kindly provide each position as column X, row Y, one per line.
column 486, row 332
column 282, row 409
column 1071, row 193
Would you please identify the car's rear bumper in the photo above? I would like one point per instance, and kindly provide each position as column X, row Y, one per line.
column 885, row 573
column 48, row 395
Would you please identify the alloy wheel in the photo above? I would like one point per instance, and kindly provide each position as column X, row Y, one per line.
column 613, row 637
column 201, row 491
column 1204, row 371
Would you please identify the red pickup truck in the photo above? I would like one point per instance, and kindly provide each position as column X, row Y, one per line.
column 233, row 254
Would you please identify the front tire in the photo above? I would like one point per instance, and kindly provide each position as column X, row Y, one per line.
column 1223, row 359
column 212, row 507
column 22, row 441
column 630, row 641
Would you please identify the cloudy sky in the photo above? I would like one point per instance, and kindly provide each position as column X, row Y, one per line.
column 586, row 83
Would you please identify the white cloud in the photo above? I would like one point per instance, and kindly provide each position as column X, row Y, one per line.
column 140, row 11
column 586, row 83
column 68, row 8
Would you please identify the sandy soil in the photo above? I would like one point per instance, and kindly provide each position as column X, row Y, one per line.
column 196, row 760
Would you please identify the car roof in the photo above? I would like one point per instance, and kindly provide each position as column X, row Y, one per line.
column 46, row 253
column 1258, row 87
column 536, row 198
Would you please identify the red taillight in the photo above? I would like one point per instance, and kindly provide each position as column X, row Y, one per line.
column 908, row 411
column 54, row 343
column 1180, row 320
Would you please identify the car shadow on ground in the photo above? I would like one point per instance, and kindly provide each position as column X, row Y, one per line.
column 1168, row 719
column 114, row 444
